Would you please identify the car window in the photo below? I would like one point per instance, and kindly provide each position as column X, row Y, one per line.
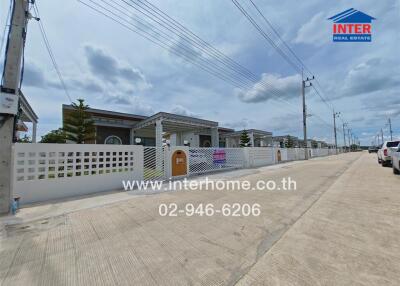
column 393, row 144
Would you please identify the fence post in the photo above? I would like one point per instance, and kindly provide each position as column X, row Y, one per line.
column 246, row 157
column 139, row 161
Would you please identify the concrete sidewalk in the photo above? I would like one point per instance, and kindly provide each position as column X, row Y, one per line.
column 347, row 237
column 351, row 236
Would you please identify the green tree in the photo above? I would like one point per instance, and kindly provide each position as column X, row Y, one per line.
column 289, row 142
column 244, row 139
column 54, row 136
column 79, row 125
column 24, row 139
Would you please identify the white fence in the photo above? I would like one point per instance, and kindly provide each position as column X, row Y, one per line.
column 54, row 171
column 260, row 156
column 203, row 160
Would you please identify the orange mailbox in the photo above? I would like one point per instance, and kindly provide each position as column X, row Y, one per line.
column 179, row 163
column 279, row 156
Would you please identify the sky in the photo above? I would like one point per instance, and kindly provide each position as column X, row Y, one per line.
column 116, row 69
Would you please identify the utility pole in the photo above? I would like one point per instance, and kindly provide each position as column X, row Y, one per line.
column 344, row 136
column 390, row 129
column 382, row 135
column 335, row 115
column 9, row 97
column 349, row 135
column 303, row 95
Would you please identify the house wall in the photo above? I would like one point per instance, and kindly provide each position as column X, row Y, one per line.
column 103, row 132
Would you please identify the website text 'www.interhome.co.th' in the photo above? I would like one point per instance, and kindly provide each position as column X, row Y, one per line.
column 285, row 184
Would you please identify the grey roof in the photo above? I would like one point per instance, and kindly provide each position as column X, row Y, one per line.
column 107, row 112
column 254, row 131
column 181, row 120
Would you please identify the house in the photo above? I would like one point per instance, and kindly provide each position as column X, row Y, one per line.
column 258, row 138
column 164, row 128
column 285, row 140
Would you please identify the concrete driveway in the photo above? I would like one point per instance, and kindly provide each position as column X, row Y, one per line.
column 340, row 227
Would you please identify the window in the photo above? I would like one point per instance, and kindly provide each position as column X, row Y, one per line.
column 113, row 140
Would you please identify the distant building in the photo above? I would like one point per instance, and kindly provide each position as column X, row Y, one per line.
column 285, row 140
column 258, row 138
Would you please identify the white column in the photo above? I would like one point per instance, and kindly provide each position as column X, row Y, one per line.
column 132, row 137
column 34, row 127
column 159, row 132
column 214, row 137
column 173, row 139
column 251, row 139
column 159, row 145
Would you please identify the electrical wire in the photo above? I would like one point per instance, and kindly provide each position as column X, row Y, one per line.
column 152, row 12
column 3, row 37
column 150, row 36
column 11, row 12
column 291, row 51
column 50, row 51
column 117, row 12
column 268, row 37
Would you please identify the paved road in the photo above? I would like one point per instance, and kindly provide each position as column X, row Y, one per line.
column 340, row 227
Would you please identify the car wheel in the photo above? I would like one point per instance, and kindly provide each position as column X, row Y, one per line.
column 395, row 171
column 384, row 164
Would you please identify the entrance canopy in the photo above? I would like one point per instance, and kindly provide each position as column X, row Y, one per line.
column 28, row 115
column 177, row 126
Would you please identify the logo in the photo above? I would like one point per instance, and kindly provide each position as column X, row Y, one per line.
column 352, row 26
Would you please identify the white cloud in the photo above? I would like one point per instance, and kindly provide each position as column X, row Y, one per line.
column 129, row 103
column 244, row 123
column 286, row 87
column 315, row 31
column 180, row 110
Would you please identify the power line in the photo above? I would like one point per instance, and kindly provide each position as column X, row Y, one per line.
column 146, row 6
column 5, row 29
column 276, row 46
column 149, row 36
column 4, row 37
column 265, row 35
column 281, row 39
column 50, row 52
column 290, row 50
column 191, row 39
column 160, row 38
column 184, row 47
column 162, row 43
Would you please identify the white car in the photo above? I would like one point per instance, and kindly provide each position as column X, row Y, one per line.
column 385, row 152
column 396, row 161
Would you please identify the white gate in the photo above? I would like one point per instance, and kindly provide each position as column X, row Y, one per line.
column 154, row 163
